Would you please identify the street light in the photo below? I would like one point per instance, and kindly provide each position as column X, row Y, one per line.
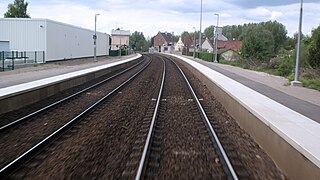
column 200, row 34
column 95, row 38
column 216, row 40
column 296, row 81
column 194, row 43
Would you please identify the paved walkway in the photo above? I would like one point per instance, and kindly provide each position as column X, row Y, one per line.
column 300, row 99
column 50, row 69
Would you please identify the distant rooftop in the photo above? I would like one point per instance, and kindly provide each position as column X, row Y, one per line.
column 119, row 32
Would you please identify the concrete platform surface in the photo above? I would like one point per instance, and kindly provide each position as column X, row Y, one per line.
column 41, row 71
column 15, row 81
column 302, row 100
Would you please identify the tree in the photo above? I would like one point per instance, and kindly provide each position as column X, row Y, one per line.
column 208, row 32
column 17, row 10
column 139, row 42
column 232, row 32
column 314, row 51
column 278, row 31
column 258, row 44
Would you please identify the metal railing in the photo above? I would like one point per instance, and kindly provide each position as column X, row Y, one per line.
column 11, row 59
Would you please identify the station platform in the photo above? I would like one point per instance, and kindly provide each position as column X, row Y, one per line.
column 302, row 100
column 284, row 120
column 56, row 68
column 28, row 85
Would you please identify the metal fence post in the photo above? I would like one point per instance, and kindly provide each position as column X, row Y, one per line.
column 43, row 57
column 25, row 56
column 2, row 60
column 12, row 68
column 35, row 57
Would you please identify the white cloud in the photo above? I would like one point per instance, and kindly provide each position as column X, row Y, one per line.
column 151, row 16
column 275, row 15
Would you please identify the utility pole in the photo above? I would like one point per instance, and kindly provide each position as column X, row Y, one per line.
column 216, row 40
column 95, row 38
column 296, row 81
column 200, row 34
column 194, row 43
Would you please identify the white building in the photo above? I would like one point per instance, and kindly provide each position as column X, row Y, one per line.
column 179, row 45
column 119, row 38
column 57, row 40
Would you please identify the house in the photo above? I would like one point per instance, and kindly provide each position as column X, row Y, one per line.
column 179, row 45
column 119, row 39
column 188, row 43
column 163, row 42
column 229, row 50
column 207, row 45
column 184, row 42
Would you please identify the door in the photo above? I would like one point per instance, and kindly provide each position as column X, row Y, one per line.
column 4, row 46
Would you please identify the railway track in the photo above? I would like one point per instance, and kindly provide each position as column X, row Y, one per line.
column 142, row 131
column 25, row 118
column 148, row 159
column 9, row 130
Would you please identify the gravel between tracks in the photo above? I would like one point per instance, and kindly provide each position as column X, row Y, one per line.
column 32, row 132
column 186, row 151
column 258, row 164
column 100, row 148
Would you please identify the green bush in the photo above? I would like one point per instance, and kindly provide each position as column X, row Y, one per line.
column 311, row 83
column 124, row 52
column 284, row 67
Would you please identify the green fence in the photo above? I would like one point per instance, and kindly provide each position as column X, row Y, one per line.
column 117, row 52
column 204, row 56
column 9, row 60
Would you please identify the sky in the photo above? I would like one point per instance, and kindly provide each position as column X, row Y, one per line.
column 152, row 16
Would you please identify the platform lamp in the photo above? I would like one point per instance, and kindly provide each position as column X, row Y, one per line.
column 95, row 38
column 200, row 34
column 194, row 43
column 216, row 40
column 296, row 81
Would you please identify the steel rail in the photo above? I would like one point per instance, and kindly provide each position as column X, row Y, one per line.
column 147, row 144
column 20, row 120
column 229, row 170
column 10, row 167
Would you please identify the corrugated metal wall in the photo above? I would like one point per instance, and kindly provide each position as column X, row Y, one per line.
column 23, row 34
column 66, row 42
column 58, row 40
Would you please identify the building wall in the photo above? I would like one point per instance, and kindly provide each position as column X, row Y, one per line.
column 159, row 40
column 230, row 55
column 119, row 38
column 67, row 42
column 118, row 41
column 179, row 45
column 58, row 40
column 206, row 46
column 23, row 34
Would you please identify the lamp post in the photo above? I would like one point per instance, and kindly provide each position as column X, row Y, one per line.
column 95, row 38
column 216, row 40
column 194, row 43
column 296, row 81
column 200, row 34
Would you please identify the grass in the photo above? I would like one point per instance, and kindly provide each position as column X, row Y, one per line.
column 310, row 78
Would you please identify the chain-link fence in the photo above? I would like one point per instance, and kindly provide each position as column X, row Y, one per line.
column 9, row 60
